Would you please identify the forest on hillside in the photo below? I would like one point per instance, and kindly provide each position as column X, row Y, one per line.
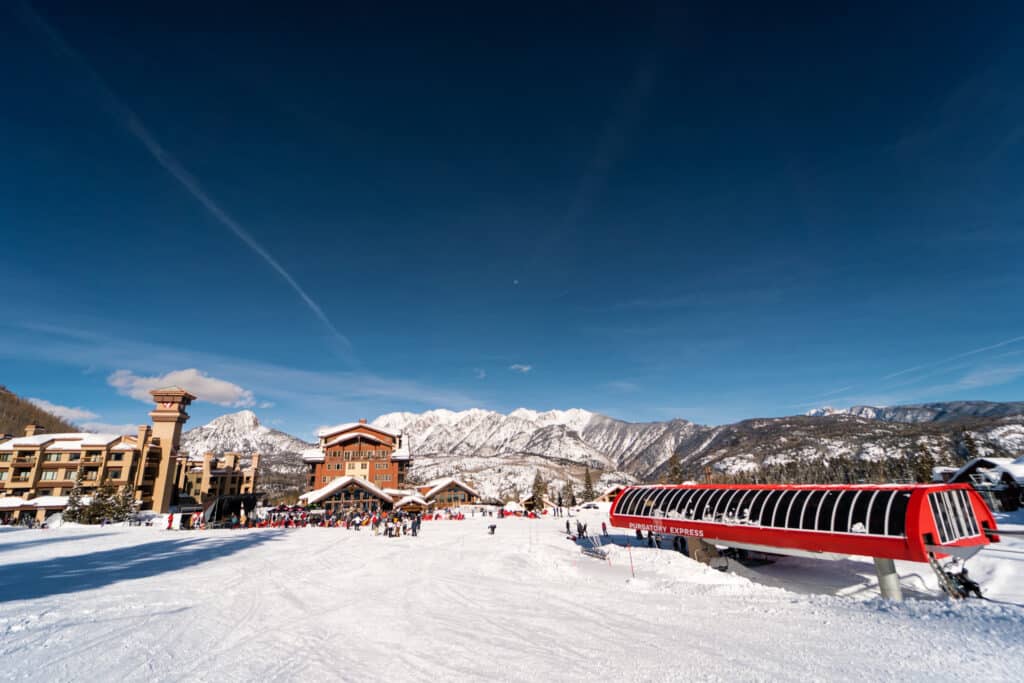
column 16, row 412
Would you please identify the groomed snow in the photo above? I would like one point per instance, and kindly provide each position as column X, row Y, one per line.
column 91, row 603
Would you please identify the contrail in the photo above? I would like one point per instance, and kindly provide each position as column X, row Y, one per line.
column 134, row 125
column 956, row 357
column 924, row 366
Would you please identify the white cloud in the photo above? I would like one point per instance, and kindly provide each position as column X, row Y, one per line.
column 64, row 412
column 520, row 368
column 321, row 395
column 204, row 387
column 267, row 404
column 107, row 428
column 479, row 373
column 623, row 386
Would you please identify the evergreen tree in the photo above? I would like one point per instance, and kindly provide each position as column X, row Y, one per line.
column 588, row 486
column 923, row 464
column 568, row 495
column 102, row 505
column 123, row 504
column 538, row 492
column 73, row 511
column 675, row 470
column 970, row 446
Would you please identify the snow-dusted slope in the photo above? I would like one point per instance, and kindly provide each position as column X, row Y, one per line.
column 817, row 441
column 281, row 466
column 927, row 412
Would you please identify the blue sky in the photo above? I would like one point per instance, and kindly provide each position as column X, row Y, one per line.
column 653, row 213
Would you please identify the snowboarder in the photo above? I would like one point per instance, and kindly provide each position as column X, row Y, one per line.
column 491, row 528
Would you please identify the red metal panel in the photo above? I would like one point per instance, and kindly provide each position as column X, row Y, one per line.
column 919, row 524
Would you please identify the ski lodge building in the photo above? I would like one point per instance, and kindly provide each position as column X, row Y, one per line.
column 38, row 470
column 362, row 467
column 210, row 476
column 360, row 451
column 354, row 494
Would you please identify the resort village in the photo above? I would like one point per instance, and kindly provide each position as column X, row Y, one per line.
column 357, row 469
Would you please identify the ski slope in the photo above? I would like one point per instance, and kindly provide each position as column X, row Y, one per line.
column 456, row 603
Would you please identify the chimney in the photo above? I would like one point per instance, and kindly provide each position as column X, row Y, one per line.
column 362, row 420
column 31, row 429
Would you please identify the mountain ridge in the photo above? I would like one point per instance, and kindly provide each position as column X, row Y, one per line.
column 501, row 453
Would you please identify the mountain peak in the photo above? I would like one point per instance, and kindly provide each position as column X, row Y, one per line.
column 243, row 418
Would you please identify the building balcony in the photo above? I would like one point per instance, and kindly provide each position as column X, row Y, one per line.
column 24, row 460
column 19, row 483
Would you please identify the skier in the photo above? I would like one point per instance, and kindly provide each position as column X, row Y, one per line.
column 567, row 531
column 604, row 529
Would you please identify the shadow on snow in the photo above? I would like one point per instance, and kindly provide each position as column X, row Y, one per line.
column 30, row 580
column 44, row 540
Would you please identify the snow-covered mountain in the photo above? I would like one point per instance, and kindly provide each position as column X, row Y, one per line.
column 823, row 440
column 281, row 466
column 575, row 435
column 501, row 453
column 927, row 412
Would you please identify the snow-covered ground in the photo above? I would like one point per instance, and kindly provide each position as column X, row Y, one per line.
column 457, row 603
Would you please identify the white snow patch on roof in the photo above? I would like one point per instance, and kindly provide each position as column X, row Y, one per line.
column 440, row 484
column 321, row 493
column 327, row 431
column 352, row 437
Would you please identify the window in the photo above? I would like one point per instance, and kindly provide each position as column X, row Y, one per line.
column 3, row 475
column 696, row 502
column 683, row 501
column 810, row 510
column 771, row 502
column 823, row 517
column 841, row 511
column 670, row 505
column 877, row 514
column 114, row 474
column 45, row 492
column 49, row 475
column 363, row 466
column 707, row 507
column 116, row 457
column 859, row 511
column 51, row 457
column 5, row 457
column 74, row 457
column 778, row 518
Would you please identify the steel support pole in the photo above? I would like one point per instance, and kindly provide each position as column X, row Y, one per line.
column 888, row 579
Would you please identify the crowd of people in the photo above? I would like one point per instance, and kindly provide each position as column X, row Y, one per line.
column 391, row 523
